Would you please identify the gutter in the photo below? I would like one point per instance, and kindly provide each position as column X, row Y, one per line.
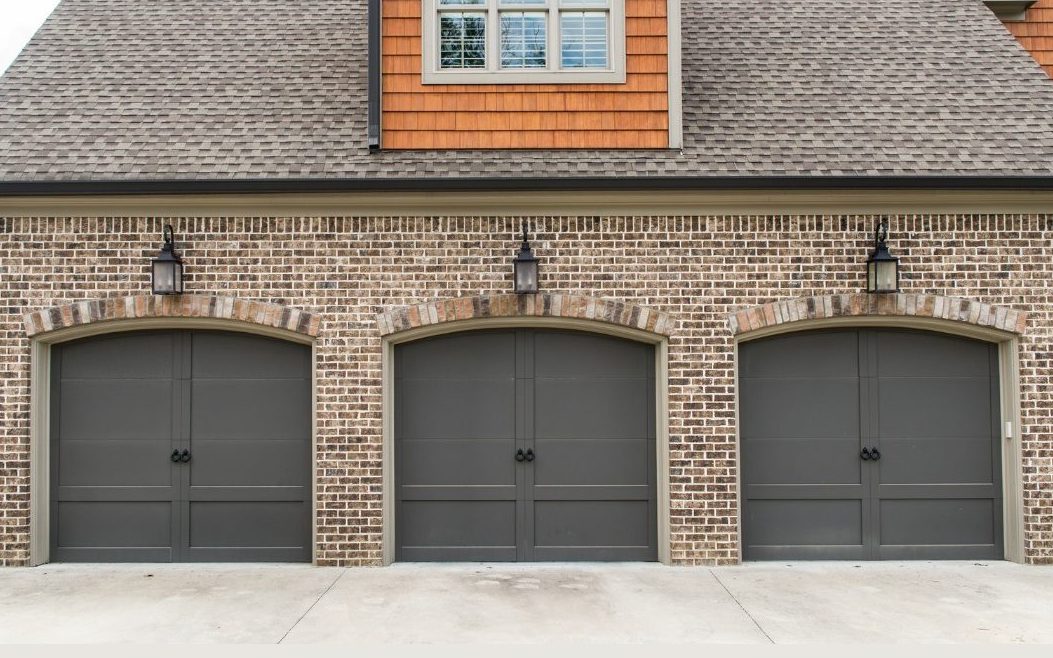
column 521, row 184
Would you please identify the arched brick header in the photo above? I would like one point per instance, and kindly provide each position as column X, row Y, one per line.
column 181, row 306
column 954, row 309
column 510, row 306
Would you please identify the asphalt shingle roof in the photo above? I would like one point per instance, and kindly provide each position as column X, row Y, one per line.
column 221, row 89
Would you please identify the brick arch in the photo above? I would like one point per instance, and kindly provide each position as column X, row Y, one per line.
column 181, row 306
column 404, row 318
column 907, row 305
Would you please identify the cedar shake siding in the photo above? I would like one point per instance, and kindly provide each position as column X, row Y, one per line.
column 1035, row 33
column 633, row 115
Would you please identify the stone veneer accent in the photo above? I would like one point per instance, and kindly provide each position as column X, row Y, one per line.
column 171, row 306
column 819, row 307
column 537, row 305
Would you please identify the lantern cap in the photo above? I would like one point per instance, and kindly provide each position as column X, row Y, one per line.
column 525, row 251
column 168, row 252
column 881, row 252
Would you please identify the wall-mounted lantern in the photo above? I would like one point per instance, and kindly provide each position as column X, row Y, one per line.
column 167, row 270
column 525, row 267
column 882, row 267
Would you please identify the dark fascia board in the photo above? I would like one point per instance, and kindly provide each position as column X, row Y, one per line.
column 454, row 184
column 1010, row 10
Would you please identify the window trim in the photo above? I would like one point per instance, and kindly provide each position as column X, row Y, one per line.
column 432, row 74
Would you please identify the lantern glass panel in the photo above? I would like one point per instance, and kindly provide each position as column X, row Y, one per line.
column 885, row 275
column 526, row 276
column 167, row 277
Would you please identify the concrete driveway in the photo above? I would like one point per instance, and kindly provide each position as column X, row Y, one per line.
column 472, row 603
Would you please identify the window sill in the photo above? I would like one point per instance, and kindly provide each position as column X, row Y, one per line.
column 522, row 77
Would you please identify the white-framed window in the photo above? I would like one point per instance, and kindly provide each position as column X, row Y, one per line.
column 523, row 41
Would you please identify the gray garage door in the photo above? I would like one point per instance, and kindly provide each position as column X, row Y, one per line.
column 525, row 445
column 811, row 403
column 180, row 446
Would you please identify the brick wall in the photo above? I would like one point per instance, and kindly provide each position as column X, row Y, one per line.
column 698, row 269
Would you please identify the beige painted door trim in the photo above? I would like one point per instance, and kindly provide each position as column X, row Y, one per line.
column 1009, row 395
column 661, row 344
column 40, row 405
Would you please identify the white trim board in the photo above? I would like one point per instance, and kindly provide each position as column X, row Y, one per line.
column 675, row 78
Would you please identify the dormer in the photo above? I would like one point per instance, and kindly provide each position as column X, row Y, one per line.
column 528, row 74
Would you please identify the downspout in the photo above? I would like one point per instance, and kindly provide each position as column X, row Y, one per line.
column 373, row 110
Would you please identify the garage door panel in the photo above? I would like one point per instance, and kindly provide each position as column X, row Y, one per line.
column 116, row 494
column 952, row 460
column 820, row 356
column 111, row 554
column 594, row 554
column 248, row 463
column 218, row 355
column 452, row 523
column 457, row 492
column 115, row 524
column 566, row 355
column 801, row 461
column 804, row 523
column 261, row 410
column 805, row 553
column 564, row 492
column 591, row 523
column 590, row 409
column 937, row 522
column 918, row 354
column 466, row 462
column 798, row 408
column 475, row 409
column 936, row 491
column 804, row 491
column 115, row 409
column 120, row 356
column 935, row 407
column 609, row 461
column 246, row 524
column 480, row 355
column 111, row 463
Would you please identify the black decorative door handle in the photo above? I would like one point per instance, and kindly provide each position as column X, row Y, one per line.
column 874, row 454
column 519, row 455
column 184, row 456
column 530, row 455
column 174, row 457
column 865, row 454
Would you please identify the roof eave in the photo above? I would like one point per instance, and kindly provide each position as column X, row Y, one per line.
column 455, row 184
